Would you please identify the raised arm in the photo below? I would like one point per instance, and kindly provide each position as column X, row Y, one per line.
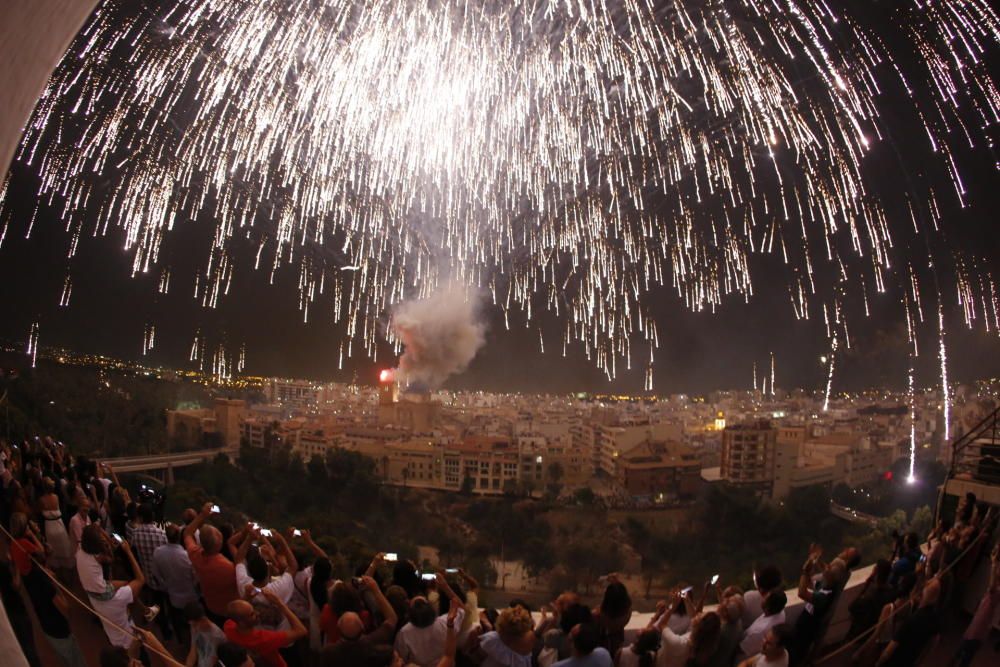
column 240, row 556
column 446, row 589
column 297, row 630
column 470, row 582
column 805, row 577
column 236, row 539
column 376, row 561
column 384, row 608
column 291, row 563
column 450, row 640
column 192, row 528
column 315, row 548
column 139, row 579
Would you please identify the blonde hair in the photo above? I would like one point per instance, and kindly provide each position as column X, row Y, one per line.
column 514, row 622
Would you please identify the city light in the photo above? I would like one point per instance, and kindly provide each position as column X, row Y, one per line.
column 385, row 376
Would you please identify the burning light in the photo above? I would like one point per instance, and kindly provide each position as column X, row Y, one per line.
column 385, row 376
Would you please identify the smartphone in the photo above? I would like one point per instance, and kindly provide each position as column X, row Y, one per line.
column 117, row 537
column 391, row 556
column 687, row 590
column 715, row 579
column 923, row 558
column 266, row 532
column 256, row 590
column 452, row 570
column 215, row 509
column 296, row 533
column 428, row 576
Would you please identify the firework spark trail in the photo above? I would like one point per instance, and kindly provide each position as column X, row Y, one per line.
column 945, row 389
column 829, row 377
column 911, row 391
column 32, row 350
column 564, row 155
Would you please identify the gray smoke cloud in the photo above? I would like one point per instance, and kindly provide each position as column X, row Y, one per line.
column 440, row 334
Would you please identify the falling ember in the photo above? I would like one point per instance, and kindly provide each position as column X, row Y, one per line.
column 385, row 376
column 829, row 378
column 913, row 424
column 945, row 390
column 148, row 339
column 32, row 350
column 772, row 375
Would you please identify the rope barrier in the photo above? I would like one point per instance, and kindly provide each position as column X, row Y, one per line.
column 171, row 660
column 871, row 630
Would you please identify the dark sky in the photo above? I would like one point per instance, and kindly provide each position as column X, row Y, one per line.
column 699, row 352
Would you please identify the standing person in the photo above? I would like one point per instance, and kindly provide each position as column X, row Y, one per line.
column 773, row 614
column 61, row 559
column 766, row 579
column 216, row 574
column 114, row 610
column 613, row 614
column 587, row 651
column 17, row 612
column 205, row 637
column 774, row 652
column 147, row 537
column 510, row 645
column 78, row 522
column 421, row 641
column 979, row 629
column 172, row 571
column 923, row 626
column 642, row 652
column 52, row 611
column 367, row 649
column 818, row 600
column 267, row 644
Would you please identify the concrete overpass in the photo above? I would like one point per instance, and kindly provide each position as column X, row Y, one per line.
column 167, row 463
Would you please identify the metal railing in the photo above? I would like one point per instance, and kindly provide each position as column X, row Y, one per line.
column 975, row 455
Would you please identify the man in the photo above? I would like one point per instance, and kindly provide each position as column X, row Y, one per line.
column 908, row 558
column 772, row 615
column 587, row 651
column 773, row 653
column 216, row 574
column 731, row 614
column 818, row 601
column 511, row 644
column 356, row 647
column 253, row 575
column 205, row 637
column 917, row 631
column 114, row 610
column 266, row 644
column 79, row 521
column 147, row 537
column 421, row 641
column 173, row 573
column 767, row 579
column 979, row 629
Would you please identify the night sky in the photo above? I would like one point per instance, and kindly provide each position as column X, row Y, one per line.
column 699, row 351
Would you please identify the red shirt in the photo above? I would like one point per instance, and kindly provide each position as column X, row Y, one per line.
column 264, row 643
column 21, row 553
column 217, row 576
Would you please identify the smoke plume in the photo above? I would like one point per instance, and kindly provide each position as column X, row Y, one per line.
column 441, row 334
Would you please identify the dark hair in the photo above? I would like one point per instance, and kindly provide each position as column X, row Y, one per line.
column 145, row 511
column 855, row 560
column 230, row 655
column 646, row 645
column 405, row 575
column 193, row 611
column 905, row 585
column 705, row 636
column 421, row 613
column 517, row 602
column 768, row 578
column 775, row 602
column 174, row 533
column 256, row 567
column 114, row 656
column 343, row 598
column 573, row 615
column 92, row 539
column 322, row 571
column 616, row 602
column 131, row 510
column 912, row 541
column 587, row 638
column 783, row 634
column 883, row 569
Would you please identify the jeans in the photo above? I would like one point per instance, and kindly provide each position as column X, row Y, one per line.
column 68, row 650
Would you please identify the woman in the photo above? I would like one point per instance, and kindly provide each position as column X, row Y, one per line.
column 343, row 598
column 61, row 559
column 319, row 594
column 613, row 615
column 642, row 652
column 695, row 648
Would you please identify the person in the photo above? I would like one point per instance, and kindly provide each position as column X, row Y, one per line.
column 52, row 611
column 343, row 598
column 558, row 640
column 730, row 612
column 641, row 652
column 694, row 648
column 79, row 521
column 587, row 651
column 766, row 579
column 774, row 652
column 982, row 621
column 267, row 644
column 173, row 573
column 229, row 654
column 205, row 636
column 216, row 574
column 61, row 557
column 17, row 611
column 923, row 626
column 819, row 601
column 908, row 559
column 147, row 537
column 26, row 544
column 254, row 575
column 421, row 641
column 613, row 614
column 510, row 645
column 874, row 595
column 361, row 648
column 320, row 584
column 114, row 610
column 772, row 615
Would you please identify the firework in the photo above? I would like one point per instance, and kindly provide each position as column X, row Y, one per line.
column 563, row 156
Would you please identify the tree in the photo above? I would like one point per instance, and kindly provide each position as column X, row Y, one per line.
column 585, row 496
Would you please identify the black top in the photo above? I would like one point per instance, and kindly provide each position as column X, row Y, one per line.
column 914, row 635
column 41, row 591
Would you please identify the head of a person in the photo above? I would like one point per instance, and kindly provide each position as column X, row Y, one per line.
column 516, row 629
column 351, row 626
column 188, row 515
column 145, row 512
column 173, row 533
column 911, row 541
column 564, row 600
column 883, row 568
column 775, row 602
column 257, row 567
column 835, row 573
column 616, row 601
column 18, row 525
column 776, row 641
column 398, row 599
column 344, row 598
column 228, row 654
column 851, row 557
column 647, row 642
column 83, row 507
column 211, row 539
column 404, row 574
column 49, row 485
column 242, row 613
column 421, row 613
column 585, row 638
column 731, row 609
column 194, row 612
column 574, row 615
column 767, row 579
column 706, row 628
column 92, row 540
column 319, row 584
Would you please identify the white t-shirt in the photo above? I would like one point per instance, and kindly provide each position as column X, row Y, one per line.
column 91, row 573
column 283, row 587
column 674, row 649
column 753, row 607
column 425, row 646
column 753, row 638
column 761, row 661
column 76, row 526
column 116, row 610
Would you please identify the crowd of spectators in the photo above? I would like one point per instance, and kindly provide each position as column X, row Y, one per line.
column 229, row 596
